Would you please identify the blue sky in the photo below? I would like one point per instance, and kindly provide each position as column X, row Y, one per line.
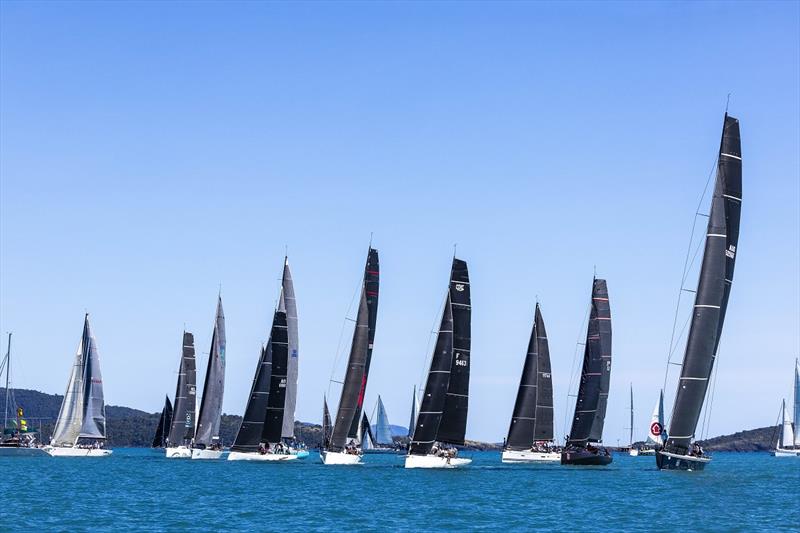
column 150, row 152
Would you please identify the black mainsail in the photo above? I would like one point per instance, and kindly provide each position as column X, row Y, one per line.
column 532, row 419
column 273, row 422
column 590, row 407
column 183, row 415
column 713, row 291
column 370, row 290
column 443, row 412
column 248, row 438
column 164, row 423
column 327, row 426
column 214, row 386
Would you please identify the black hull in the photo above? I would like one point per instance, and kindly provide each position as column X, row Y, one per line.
column 683, row 462
column 585, row 458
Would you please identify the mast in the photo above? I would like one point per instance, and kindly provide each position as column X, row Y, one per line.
column 288, row 303
column 796, row 417
column 273, row 422
column 590, row 407
column 248, row 438
column 383, row 433
column 181, row 431
column 631, row 439
column 453, row 425
column 8, row 378
column 214, row 385
column 713, row 291
column 370, row 292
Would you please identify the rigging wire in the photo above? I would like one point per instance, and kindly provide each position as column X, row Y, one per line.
column 339, row 349
column 573, row 370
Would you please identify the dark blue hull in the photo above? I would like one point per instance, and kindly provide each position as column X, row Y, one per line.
column 578, row 457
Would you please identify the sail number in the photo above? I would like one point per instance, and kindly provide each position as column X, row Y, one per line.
column 461, row 362
column 460, row 287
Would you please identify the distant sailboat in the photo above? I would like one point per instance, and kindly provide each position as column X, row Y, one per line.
column 710, row 305
column 164, row 423
column 530, row 434
column 16, row 438
column 655, row 431
column 789, row 442
column 80, row 429
column 344, row 446
column 583, row 445
column 442, row 415
column 632, row 450
column 264, row 433
column 207, row 444
column 181, row 431
column 379, row 438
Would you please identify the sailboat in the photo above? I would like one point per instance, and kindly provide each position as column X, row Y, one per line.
column 789, row 442
column 344, row 447
column 583, row 445
column 530, row 434
column 80, row 429
column 710, row 304
column 16, row 439
column 442, row 418
column 380, row 440
column 207, row 444
column 164, row 423
column 655, row 432
column 265, row 434
column 181, row 430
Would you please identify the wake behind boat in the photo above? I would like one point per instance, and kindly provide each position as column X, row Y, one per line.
column 530, row 435
column 80, row 429
column 584, row 443
column 442, row 418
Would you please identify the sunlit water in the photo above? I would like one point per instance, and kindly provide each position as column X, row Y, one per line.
column 141, row 490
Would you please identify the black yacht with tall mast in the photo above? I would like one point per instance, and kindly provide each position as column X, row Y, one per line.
column 181, row 431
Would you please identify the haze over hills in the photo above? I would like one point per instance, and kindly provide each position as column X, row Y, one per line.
column 129, row 427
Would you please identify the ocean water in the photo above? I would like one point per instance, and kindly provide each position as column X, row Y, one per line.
column 140, row 490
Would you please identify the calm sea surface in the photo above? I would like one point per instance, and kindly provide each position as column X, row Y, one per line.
column 140, row 490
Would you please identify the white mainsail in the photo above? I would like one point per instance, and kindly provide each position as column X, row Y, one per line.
column 655, row 434
column 787, row 433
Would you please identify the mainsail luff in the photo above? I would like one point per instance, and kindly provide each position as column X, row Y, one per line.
column 94, row 408
column 543, row 428
column 249, row 436
column 352, row 390
column 183, row 414
column 370, row 291
column 631, row 428
column 523, row 420
column 273, row 422
column 383, row 433
column 164, row 422
column 70, row 415
column 214, row 385
column 433, row 397
column 713, row 291
column 453, row 425
column 288, row 303
column 590, row 406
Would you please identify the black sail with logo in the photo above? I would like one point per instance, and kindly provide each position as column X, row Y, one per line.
column 183, row 415
column 590, row 406
column 543, row 430
column 453, row 425
column 273, row 424
column 713, row 290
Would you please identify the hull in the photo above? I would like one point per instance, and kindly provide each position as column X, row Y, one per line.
column 197, row 453
column 339, row 458
column 782, row 452
column 384, row 451
column 527, row 456
column 20, row 451
column 266, row 457
column 585, row 458
column 435, row 461
column 633, row 452
column 301, row 454
column 675, row 461
column 180, row 452
column 57, row 451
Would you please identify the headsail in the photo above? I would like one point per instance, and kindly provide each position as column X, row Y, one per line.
column 383, row 433
column 288, row 303
column 273, row 423
column 183, row 415
column 248, row 438
column 787, row 432
column 366, row 437
column 713, row 291
column 453, row 425
column 164, row 422
column 413, row 421
column 656, row 430
column 327, row 426
column 214, row 386
column 590, row 407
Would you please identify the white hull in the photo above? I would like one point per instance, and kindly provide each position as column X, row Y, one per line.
column 633, row 452
column 57, row 451
column 255, row 456
column 339, row 458
column 527, row 456
column 180, row 452
column 434, row 461
column 197, row 453
column 783, row 452
column 11, row 451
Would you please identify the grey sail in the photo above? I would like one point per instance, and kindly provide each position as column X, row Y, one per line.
column 273, row 422
column 590, row 406
column 288, row 304
column 248, row 438
column 327, row 426
column 70, row 415
column 94, row 408
column 181, row 431
column 543, row 429
column 413, row 420
column 713, row 291
column 383, row 433
column 214, row 385
column 354, row 378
